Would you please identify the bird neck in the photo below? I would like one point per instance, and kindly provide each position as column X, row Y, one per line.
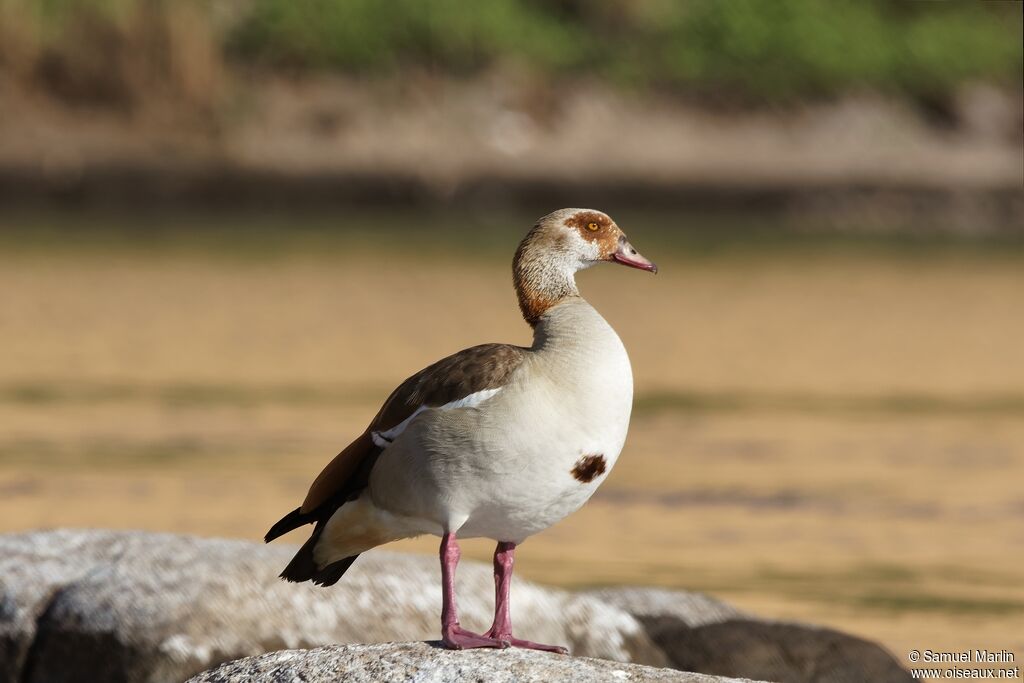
column 544, row 276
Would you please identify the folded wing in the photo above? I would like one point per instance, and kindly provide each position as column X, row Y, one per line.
column 456, row 381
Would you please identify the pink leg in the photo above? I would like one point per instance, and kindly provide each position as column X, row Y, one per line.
column 504, row 558
column 452, row 635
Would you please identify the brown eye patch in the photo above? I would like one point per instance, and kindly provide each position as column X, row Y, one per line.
column 588, row 222
column 596, row 227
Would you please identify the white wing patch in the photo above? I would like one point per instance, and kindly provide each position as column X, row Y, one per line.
column 385, row 438
column 471, row 400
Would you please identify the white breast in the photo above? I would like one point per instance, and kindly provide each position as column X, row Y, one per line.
column 503, row 467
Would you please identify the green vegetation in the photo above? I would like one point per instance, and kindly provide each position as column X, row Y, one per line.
column 899, row 603
column 190, row 394
column 754, row 49
column 884, row 404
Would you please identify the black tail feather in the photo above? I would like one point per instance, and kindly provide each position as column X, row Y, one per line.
column 304, row 568
column 329, row 575
column 293, row 520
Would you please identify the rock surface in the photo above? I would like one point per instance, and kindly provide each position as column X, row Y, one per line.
column 159, row 607
column 426, row 662
column 700, row 633
column 691, row 609
column 140, row 607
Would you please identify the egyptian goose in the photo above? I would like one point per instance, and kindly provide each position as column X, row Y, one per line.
column 496, row 441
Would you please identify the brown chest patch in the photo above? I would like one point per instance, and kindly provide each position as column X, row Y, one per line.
column 589, row 467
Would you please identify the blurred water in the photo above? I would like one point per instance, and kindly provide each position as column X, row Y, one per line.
column 827, row 427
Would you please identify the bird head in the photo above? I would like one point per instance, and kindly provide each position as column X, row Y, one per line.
column 585, row 237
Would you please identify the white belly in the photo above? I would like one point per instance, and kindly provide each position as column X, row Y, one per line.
column 520, row 461
column 562, row 446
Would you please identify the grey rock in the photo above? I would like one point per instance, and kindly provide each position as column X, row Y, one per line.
column 427, row 663
column 34, row 569
column 692, row 609
column 699, row 633
column 132, row 606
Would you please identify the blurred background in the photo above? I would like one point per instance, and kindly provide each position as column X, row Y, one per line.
column 228, row 229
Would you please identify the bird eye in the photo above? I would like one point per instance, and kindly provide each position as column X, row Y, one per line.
column 592, row 227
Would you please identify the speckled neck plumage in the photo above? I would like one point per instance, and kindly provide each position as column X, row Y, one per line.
column 543, row 273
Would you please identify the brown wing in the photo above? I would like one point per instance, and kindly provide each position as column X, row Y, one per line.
column 475, row 369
